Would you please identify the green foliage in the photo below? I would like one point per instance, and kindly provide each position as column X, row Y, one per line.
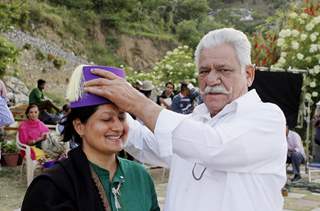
column 177, row 66
column 299, row 44
column 187, row 33
column 8, row 54
column 190, row 10
column 12, row 13
column 58, row 62
column 39, row 55
column 9, row 147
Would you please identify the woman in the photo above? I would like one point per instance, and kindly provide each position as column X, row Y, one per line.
column 93, row 178
column 32, row 132
column 166, row 97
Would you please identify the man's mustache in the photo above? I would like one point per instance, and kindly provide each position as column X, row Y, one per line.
column 219, row 89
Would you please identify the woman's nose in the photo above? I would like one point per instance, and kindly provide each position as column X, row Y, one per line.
column 117, row 125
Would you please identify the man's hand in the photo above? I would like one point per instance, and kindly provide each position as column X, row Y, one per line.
column 122, row 94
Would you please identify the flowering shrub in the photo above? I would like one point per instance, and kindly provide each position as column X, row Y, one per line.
column 264, row 49
column 299, row 43
column 176, row 66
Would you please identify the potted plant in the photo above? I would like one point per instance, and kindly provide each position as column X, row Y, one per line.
column 10, row 153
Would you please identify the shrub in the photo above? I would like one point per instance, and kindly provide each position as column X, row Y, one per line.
column 8, row 54
column 39, row 55
column 58, row 62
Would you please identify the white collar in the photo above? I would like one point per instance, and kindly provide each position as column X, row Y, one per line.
column 242, row 103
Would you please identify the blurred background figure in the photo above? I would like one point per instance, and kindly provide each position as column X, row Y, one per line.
column 316, row 122
column 45, row 106
column 166, row 97
column 296, row 154
column 6, row 117
column 32, row 132
column 184, row 102
column 146, row 88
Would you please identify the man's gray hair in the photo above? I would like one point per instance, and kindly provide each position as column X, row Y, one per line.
column 237, row 39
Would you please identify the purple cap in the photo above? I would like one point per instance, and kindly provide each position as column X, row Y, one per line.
column 88, row 99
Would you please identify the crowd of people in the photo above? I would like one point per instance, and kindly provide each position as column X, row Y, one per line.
column 225, row 148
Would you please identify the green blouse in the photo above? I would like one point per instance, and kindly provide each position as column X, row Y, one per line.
column 136, row 188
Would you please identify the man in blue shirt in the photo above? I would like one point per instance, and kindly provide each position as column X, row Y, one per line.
column 184, row 101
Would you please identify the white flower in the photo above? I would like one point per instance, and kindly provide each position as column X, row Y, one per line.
column 283, row 54
column 301, row 21
column 303, row 15
column 313, row 48
column 280, row 42
column 316, row 20
column 309, row 26
column 307, row 96
column 282, row 61
column 311, row 71
column 169, row 67
column 295, row 33
column 293, row 15
column 300, row 56
column 314, row 94
column 313, row 84
column 285, row 33
column 303, row 37
column 316, row 69
column 308, row 59
column 295, row 45
column 313, row 37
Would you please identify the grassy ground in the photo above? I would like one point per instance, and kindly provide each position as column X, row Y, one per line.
column 13, row 187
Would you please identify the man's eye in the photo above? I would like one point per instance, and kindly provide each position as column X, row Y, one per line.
column 202, row 72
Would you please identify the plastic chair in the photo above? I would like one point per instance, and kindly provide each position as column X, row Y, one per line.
column 312, row 168
column 30, row 164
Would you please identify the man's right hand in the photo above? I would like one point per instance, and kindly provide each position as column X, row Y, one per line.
column 127, row 98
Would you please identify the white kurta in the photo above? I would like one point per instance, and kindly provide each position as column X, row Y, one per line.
column 243, row 149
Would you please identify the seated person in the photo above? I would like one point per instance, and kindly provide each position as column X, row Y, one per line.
column 296, row 154
column 45, row 106
column 93, row 177
column 166, row 97
column 32, row 132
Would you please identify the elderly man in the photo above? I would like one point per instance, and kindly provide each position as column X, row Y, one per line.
column 230, row 153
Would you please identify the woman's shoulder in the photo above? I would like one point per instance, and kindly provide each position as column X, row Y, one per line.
column 128, row 165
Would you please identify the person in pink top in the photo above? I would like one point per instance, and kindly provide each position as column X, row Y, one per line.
column 32, row 131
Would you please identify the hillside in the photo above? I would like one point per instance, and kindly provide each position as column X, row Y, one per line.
column 56, row 35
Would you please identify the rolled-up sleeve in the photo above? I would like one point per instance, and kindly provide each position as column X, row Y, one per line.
column 145, row 147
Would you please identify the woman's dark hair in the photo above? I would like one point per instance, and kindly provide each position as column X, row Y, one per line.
column 28, row 109
column 83, row 114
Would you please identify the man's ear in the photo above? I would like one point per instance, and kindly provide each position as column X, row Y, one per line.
column 250, row 73
column 78, row 127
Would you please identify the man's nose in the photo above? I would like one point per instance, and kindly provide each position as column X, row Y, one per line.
column 213, row 78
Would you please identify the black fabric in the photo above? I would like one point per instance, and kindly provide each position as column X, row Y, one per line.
column 282, row 89
column 66, row 186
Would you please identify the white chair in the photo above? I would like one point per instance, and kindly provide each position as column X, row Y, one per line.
column 30, row 164
column 312, row 168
